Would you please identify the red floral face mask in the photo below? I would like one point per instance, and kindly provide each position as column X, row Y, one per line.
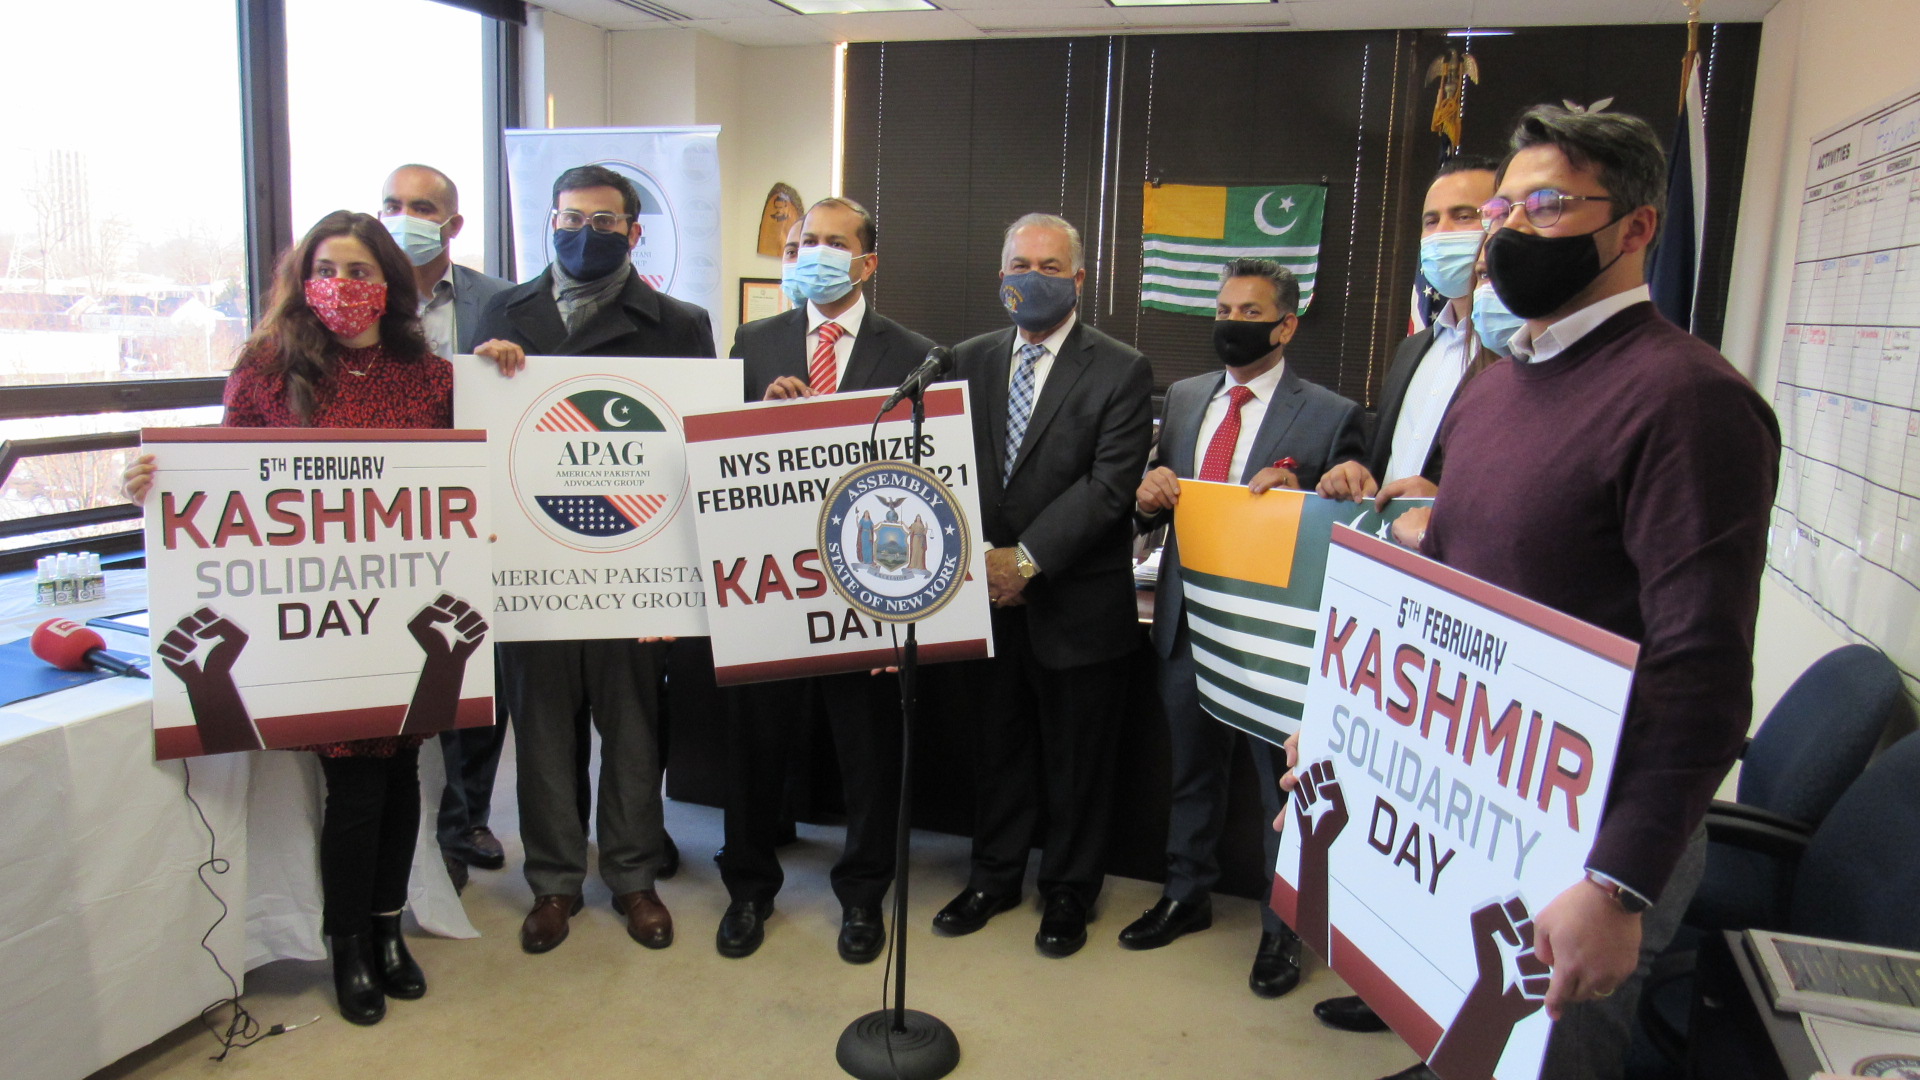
column 347, row 306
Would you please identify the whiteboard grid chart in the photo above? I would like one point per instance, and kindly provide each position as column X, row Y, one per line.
column 1846, row 523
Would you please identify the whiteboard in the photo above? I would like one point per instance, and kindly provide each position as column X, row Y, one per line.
column 1846, row 523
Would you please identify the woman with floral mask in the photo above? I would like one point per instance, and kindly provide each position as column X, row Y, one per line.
column 340, row 346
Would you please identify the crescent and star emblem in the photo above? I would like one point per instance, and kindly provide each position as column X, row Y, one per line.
column 1260, row 221
column 613, row 405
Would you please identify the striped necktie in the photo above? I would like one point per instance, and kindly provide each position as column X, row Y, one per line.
column 1225, row 437
column 822, row 374
column 1020, row 403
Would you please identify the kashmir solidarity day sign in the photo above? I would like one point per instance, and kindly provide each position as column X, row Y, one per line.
column 590, row 477
column 760, row 476
column 283, row 560
column 1455, row 752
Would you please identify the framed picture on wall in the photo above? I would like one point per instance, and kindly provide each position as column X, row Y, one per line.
column 761, row 297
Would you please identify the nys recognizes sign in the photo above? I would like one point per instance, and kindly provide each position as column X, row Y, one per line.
column 760, row 475
column 1455, row 753
column 316, row 585
column 590, row 477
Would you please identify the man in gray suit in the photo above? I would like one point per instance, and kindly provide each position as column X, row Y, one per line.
column 420, row 206
column 1257, row 423
column 1062, row 418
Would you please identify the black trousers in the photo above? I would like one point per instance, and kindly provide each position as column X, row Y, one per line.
column 367, row 836
column 1044, row 745
column 472, row 757
column 764, row 721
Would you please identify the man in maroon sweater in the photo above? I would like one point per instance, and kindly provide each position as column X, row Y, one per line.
column 1620, row 470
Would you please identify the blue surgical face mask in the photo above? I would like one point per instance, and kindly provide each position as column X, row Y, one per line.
column 822, row 274
column 587, row 254
column 1494, row 324
column 1446, row 261
column 1038, row 301
column 419, row 238
column 791, row 287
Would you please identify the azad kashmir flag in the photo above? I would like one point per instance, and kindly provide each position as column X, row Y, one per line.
column 1189, row 233
column 1251, row 569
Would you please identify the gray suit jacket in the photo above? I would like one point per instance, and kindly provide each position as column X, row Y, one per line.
column 1305, row 421
column 1071, row 492
column 471, row 291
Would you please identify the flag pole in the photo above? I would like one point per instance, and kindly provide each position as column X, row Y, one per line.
column 1692, row 53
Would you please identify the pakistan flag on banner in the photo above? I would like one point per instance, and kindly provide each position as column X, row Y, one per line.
column 1188, row 233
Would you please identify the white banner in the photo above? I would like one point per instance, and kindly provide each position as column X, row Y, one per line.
column 675, row 170
column 1454, row 758
column 760, row 474
column 316, row 585
column 590, row 478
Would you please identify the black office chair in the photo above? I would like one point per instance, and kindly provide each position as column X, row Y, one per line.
column 1853, row 879
column 1812, row 745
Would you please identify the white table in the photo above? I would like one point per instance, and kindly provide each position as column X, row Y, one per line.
column 101, row 905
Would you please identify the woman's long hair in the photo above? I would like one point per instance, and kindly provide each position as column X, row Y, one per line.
column 298, row 347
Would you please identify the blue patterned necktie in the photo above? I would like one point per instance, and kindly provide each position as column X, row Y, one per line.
column 1020, row 403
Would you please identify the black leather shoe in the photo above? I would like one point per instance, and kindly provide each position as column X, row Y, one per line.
column 1276, row 965
column 670, row 864
column 456, row 871
column 1063, row 927
column 862, row 933
column 355, row 983
column 482, row 848
column 400, row 977
column 1413, row 1072
column 1165, row 921
column 742, row 928
column 1349, row 1014
column 970, row 911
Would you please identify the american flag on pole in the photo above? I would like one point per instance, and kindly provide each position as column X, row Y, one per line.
column 1190, row 232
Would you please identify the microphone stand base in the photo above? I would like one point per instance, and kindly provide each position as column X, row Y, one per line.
column 871, row 1049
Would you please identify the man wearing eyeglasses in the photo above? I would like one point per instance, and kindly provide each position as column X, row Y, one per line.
column 1621, row 471
column 590, row 302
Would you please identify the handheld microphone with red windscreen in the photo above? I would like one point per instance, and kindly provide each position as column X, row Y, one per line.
column 71, row 647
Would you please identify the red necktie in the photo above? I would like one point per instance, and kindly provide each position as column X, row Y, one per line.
column 821, row 374
column 1220, row 449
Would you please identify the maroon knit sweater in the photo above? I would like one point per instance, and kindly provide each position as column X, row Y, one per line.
column 1628, row 482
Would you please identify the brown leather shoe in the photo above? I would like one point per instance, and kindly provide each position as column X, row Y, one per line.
column 647, row 919
column 546, row 925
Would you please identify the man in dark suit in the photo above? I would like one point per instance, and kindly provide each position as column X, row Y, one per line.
column 589, row 302
column 1260, row 424
column 1063, row 417
column 1429, row 367
column 833, row 342
column 420, row 206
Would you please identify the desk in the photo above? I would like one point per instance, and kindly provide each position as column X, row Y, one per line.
column 101, row 906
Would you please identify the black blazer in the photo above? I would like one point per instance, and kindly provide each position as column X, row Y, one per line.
column 1393, row 394
column 640, row 322
column 884, row 352
column 1070, row 498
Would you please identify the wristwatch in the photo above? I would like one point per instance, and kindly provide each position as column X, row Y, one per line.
column 1024, row 565
column 1630, row 902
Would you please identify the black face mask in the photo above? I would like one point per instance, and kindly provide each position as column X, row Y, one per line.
column 1241, row 342
column 1536, row 275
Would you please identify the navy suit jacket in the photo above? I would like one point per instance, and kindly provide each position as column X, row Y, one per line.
column 884, row 352
column 1305, row 421
column 1070, row 497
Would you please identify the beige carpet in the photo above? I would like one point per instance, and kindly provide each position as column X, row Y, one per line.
column 600, row 1005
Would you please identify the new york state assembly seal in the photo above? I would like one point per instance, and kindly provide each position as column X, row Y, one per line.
column 894, row 542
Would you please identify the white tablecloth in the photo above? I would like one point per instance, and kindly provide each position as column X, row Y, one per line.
column 101, row 906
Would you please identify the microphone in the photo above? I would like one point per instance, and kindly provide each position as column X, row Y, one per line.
column 938, row 360
column 71, row 647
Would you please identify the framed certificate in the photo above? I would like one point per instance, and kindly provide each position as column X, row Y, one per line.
column 760, row 298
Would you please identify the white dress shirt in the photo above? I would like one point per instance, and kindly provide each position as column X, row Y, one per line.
column 849, row 321
column 1429, row 392
column 1252, row 413
column 436, row 317
column 1560, row 337
column 1051, row 343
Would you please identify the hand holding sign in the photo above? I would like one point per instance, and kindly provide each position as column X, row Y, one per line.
column 1320, row 810
column 218, row 712
column 1512, row 986
column 436, row 697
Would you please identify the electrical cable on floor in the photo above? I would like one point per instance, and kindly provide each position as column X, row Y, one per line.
column 241, row 1030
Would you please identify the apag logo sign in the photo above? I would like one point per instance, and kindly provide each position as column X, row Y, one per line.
column 598, row 463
